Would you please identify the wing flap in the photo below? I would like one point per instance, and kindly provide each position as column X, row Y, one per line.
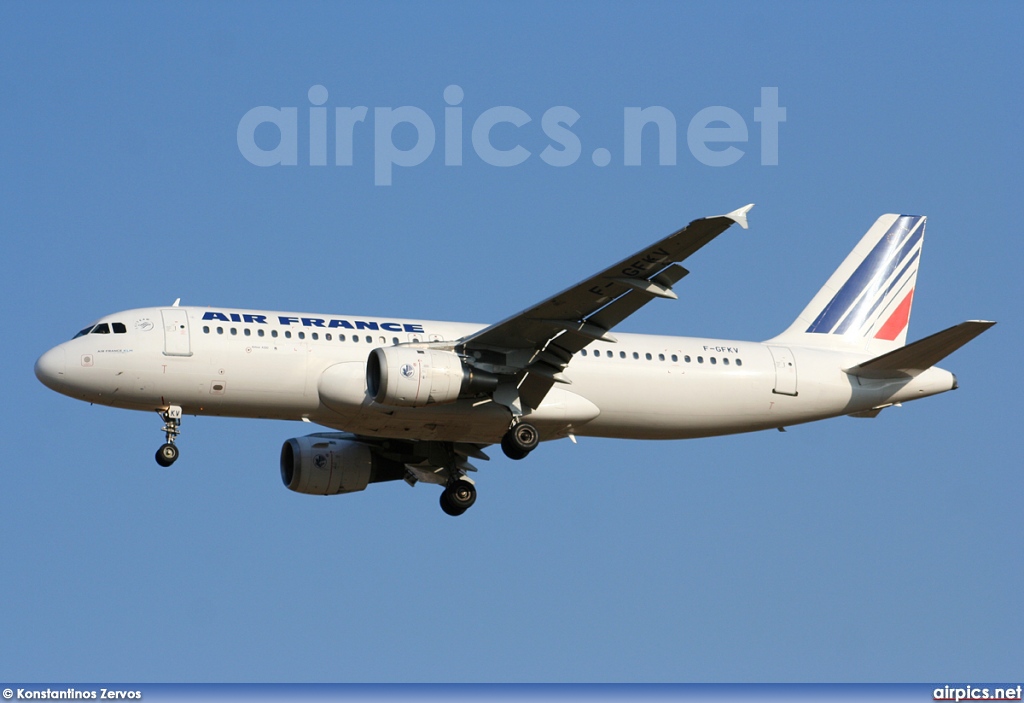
column 922, row 354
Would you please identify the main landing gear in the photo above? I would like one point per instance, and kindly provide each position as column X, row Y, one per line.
column 167, row 454
column 521, row 439
column 458, row 497
column 460, row 493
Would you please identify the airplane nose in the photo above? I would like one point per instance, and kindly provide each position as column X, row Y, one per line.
column 51, row 366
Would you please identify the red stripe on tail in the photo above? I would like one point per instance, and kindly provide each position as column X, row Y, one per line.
column 897, row 322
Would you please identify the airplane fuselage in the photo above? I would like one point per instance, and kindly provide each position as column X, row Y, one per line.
column 312, row 367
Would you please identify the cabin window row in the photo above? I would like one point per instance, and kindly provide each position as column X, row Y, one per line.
column 315, row 336
column 661, row 357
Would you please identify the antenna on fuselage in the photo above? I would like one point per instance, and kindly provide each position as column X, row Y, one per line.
column 176, row 301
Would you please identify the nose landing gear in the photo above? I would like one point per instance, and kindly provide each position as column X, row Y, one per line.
column 167, row 454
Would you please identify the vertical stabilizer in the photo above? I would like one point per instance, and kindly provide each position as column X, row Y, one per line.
column 866, row 303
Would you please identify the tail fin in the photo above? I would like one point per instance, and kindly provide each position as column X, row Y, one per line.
column 866, row 303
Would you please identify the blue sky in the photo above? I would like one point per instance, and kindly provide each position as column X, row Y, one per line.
column 849, row 550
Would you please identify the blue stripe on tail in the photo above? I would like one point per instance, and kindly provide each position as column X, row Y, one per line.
column 859, row 295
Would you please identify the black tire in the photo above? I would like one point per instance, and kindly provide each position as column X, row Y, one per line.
column 448, row 507
column 167, row 454
column 512, row 451
column 461, row 495
column 520, row 441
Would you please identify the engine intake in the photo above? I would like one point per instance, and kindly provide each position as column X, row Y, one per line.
column 411, row 377
column 320, row 465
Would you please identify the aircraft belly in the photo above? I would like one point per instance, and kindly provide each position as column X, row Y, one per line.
column 455, row 422
column 672, row 401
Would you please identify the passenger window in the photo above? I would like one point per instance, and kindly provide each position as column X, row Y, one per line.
column 234, row 332
column 220, row 330
column 635, row 355
column 739, row 362
column 675, row 358
column 687, row 358
column 661, row 357
column 622, row 355
column 273, row 333
column 610, row 355
column 101, row 329
column 394, row 340
column 302, row 335
column 119, row 328
column 700, row 359
column 259, row 332
column 648, row 355
column 714, row 360
column 328, row 337
column 369, row 339
column 341, row 338
column 206, row 329
column 725, row 361
column 316, row 336
column 247, row 332
column 355, row 338
column 287, row 334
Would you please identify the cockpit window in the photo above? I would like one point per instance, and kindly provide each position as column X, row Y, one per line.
column 84, row 332
column 102, row 328
column 118, row 327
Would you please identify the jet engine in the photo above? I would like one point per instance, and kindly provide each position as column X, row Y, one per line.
column 413, row 377
column 325, row 465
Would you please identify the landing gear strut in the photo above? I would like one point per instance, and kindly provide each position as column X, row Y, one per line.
column 167, row 454
column 457, row 497
column 521, row 439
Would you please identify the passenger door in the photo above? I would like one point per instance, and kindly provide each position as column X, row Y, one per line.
column 785, row 370
column 176, row 337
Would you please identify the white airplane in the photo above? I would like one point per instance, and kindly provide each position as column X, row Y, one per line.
column 416, row 399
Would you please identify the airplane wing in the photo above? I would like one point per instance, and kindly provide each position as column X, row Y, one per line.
column 537, row 344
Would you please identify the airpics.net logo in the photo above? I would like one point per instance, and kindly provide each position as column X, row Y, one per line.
column 715, row 136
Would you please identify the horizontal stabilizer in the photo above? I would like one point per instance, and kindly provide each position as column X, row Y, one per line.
column 922, row 354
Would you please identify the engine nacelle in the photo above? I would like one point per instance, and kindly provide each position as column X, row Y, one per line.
column 325, row 466
column 412, row 377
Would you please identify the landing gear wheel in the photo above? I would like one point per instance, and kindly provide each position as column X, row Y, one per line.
column 458, row 497
column 166, row 454
column 510, row 449
column 520, row 440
